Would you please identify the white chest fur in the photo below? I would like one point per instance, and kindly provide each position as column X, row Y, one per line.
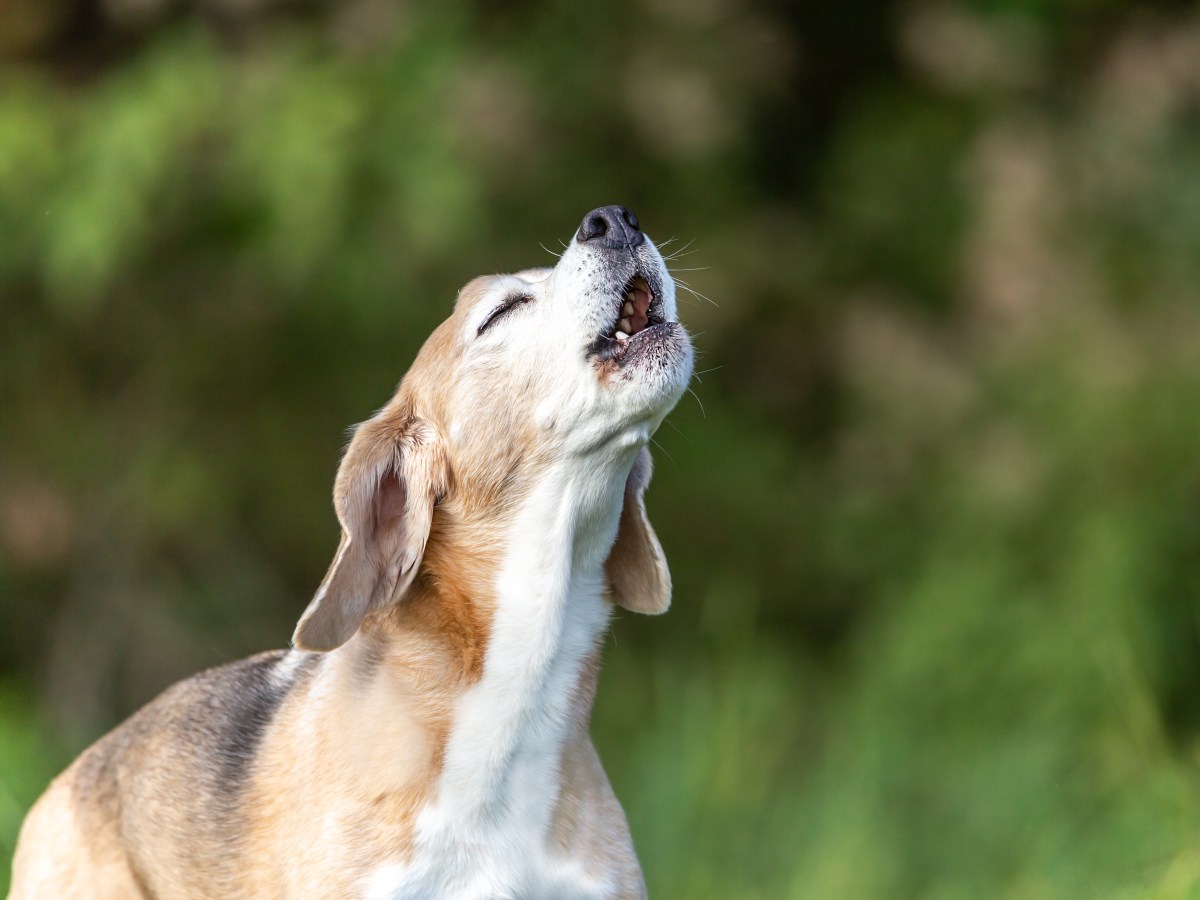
column 485, row 835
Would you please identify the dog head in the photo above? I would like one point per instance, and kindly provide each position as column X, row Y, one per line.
column 573, row 365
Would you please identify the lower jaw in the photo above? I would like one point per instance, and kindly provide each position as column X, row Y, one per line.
column 618, row 349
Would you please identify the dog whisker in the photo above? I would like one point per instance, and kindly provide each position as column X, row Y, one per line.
column 681, row 251
column 664, row 450
column 695, row 293
column 678, row 430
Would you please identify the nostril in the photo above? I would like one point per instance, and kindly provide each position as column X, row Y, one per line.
column 631, row 219
column 596, row 227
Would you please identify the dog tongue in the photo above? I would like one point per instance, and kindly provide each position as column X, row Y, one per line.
column 641, row 306
column 641, row 301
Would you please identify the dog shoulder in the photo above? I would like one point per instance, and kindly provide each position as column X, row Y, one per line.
column 217, row 719
column 169, row 783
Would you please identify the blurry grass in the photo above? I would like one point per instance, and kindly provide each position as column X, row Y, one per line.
column 923, row 778
column 26, row 766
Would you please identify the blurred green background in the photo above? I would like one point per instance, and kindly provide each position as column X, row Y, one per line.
column 933, row 512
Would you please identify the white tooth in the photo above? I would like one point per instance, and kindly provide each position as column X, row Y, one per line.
column 622, row 336
column 624, row 325
column 628, row 309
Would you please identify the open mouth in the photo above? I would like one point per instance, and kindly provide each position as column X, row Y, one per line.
column 635, row 308
column 638, row 311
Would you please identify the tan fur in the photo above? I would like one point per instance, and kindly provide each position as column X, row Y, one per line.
column 636, row 568
column 333, row 784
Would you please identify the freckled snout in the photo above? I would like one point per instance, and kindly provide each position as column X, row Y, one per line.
column 612, row 227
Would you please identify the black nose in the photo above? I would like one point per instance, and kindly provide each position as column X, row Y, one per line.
column 613, row 227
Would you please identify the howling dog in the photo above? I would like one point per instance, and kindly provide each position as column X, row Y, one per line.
column 427, row 734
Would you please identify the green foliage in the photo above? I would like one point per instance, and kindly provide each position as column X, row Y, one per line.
column 26, row 766
column 933, row 514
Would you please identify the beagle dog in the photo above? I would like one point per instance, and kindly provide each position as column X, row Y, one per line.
column 427, row 734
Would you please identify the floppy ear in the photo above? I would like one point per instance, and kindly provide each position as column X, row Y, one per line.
column 637, row 569
column 389, row 479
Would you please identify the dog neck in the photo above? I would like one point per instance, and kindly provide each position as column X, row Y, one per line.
column 509, row 728
column 520, row 627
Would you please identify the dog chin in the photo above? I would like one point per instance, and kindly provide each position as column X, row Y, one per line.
column 653, row 367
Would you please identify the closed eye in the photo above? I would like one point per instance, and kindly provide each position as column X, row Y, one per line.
column 510, row 302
